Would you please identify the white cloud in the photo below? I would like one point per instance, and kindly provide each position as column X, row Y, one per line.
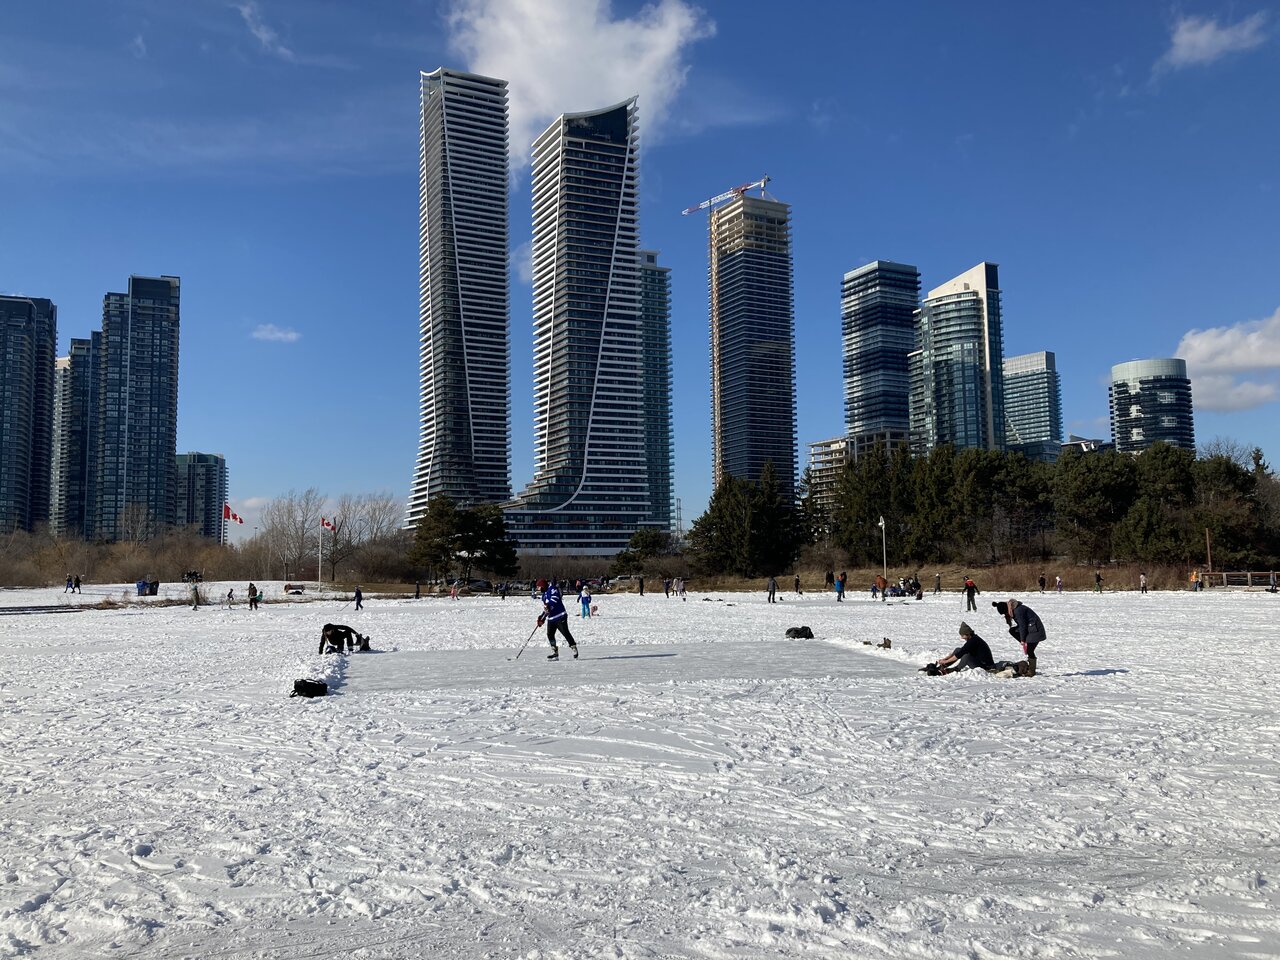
column 1197, row 41
column 138, row 47
column 269, row 331
column 267, row 38
column 1235, row 367
column 575, row 55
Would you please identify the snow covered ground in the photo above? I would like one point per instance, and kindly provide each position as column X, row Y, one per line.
column 694, row 786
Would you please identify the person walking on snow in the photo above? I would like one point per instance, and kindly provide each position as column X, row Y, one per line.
column 799, row 592
column 68, row 589
column 1041, row 582
column 937, row 583
column 1097, row 581
column 584, row 598
column 359, row 598
column 970, row 589
column 556, row 618
column 773, row 589
column 1057, row 583
column 1024, row 626
column 1142, row 582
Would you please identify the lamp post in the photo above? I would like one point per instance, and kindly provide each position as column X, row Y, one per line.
column 884, row 551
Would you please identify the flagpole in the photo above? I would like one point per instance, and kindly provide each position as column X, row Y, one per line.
column 320, row 555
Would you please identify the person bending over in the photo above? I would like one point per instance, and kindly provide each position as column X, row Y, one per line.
column 1024, row 626
column 973, row 653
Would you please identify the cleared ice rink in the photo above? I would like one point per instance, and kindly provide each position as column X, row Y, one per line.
column 694, row 786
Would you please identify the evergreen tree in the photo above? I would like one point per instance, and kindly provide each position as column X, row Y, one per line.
column 435, row 542
column 482, row 541
column 1092, row 491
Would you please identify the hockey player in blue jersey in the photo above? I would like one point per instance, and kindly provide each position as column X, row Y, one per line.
column 556, row 618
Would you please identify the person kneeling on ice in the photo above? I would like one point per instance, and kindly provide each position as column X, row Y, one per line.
column 1024, row 626
column 556, row 618
column 974, row 652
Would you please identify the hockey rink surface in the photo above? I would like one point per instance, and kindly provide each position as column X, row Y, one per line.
column 694, row 786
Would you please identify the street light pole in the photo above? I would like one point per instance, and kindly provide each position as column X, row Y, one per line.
column 884, row 551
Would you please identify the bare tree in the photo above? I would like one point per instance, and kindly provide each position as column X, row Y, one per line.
column 1241, row 454
column 291, row 524
column 358, row 522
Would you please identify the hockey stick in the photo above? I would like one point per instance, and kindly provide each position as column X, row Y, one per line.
column 525, row 644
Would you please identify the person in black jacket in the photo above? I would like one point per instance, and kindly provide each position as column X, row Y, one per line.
column 1024, row 626
column 972, row 654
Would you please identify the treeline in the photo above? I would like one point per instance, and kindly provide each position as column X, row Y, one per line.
column 980, row 507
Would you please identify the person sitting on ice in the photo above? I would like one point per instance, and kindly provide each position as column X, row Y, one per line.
column 974, row 652
column 1024, row 626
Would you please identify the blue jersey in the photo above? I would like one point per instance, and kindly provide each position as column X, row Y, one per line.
column 554, row 602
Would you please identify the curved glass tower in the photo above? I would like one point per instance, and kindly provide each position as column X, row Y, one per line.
column 1151, row 400
column 590, row 490
column 464, row 440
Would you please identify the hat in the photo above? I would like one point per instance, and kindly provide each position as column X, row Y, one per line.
column 965, row 629
column 1002, row 606
column 542, row 584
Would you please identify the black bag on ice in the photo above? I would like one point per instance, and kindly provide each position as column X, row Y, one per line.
column 309, row 688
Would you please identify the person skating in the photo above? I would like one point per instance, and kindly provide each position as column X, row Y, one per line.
column 1041, row 581
column 68, row 587
column 973, row 653
column 641, row 586
column 1057, row 583
column 1025, row 626
column 1097, row 581
column 799, row 592
column 253, row 596
column 773, row 589
column 556, row 618
column 359, row 598
column 666, row 587
column 840, row 585
column 970, row 590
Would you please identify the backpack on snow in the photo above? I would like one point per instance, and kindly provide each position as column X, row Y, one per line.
column 309, row 688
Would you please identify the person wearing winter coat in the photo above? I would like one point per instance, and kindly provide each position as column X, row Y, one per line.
column 1025, row 626
column 556, row 618
column 972, row 654
column 584, row 598
column 970, row 589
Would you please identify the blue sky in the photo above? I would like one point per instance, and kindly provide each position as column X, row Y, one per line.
column 1119, row 161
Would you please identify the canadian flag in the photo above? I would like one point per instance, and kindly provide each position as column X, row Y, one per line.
column 327, row 524
column 229, row 514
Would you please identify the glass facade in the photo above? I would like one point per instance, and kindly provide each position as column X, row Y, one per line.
column 464, row 442
column 655, row 319
column 202, row 491
column 1033, row 405
column 28, row 350
column 753, row 370
column 878, row 304
column 956, row 370
column 1150, row 401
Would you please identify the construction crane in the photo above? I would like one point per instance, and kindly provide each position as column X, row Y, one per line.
column 728, row 195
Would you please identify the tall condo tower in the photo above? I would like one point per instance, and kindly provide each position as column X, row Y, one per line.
column 138, row 410
column 590, row 490
column 655, row 319
column 75, row 438
column 464, row 441
column 28, row 349
column 1033, row 406
column 753, row 369
column 878, row 304
column 1151, row 400
column 957, row 391
column 202, row 491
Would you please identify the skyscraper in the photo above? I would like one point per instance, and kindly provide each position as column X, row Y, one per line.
column 75, row 439
column 137, row 410
column 464, row 440
column 1033, row 406
column 28, row 349
column 590, row 490
column 655, row 324
column 753, row 371
column 878, row 309
column 957, row 392
column 1151, row 400
column 201, row 493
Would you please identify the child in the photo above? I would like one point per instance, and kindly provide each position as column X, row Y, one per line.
column 584, row 598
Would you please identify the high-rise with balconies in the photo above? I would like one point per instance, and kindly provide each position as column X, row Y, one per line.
column 1150, row 401
column 28, row 349
column 590, row 490
column 655, row 323
column 956, row 370
column 753, row 370
column 464, row 438
column 1033, row 406
column 137, row 411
